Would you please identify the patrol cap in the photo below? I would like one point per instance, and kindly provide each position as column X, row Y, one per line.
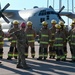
column 53, row 21
column 29, row 23
column 44, row 23
column 57, row 26
column 23, row 25
column 15, row 22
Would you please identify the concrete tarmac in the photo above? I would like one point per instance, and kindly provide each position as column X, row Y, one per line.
column 43, row 67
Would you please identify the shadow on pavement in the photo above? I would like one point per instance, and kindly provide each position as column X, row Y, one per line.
column 48, row 67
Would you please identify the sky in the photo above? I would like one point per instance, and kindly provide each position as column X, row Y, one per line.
column 29, row 4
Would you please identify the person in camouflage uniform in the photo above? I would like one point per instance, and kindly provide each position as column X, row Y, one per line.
column 31, row 39
column 13, row 49
column 22, row 42
column 1, row 42
column 44, row 41
column 59, row 40
column 65, row 31
column 51, row 39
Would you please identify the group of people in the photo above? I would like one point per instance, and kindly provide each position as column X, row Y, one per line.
column 54, row 38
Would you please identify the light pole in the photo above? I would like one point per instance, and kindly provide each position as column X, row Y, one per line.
column 47, row 3
column 53, row 3
column 60, row 2
column 72, row 6
column 68, row 11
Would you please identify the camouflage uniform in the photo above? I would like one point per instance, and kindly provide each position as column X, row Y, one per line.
column 21, row 44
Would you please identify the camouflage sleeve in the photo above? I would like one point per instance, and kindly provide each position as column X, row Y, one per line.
column 10, row 30
column 13, row 34
column 26, row 39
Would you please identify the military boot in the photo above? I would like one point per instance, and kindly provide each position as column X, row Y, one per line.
column 53, row 56
column 40, row 58
column 73, row 60
column 58, row 59
column 9, row 58
column 32, row 56
column 1, row 57
column 44, row 58
column 19, row 66
column 25, row 66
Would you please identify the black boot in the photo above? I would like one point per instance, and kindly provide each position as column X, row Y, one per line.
column 40, row 58
column 32, row 56
column 53, row 56
column 26, row 56
column 44, row 58
column 63, row 59
column 26, row 67
column 1, row 57
column 9, row 58
column 15, row 57
column 58, row 59
column 50, row 56
column 73, row 60
column 19, row 66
